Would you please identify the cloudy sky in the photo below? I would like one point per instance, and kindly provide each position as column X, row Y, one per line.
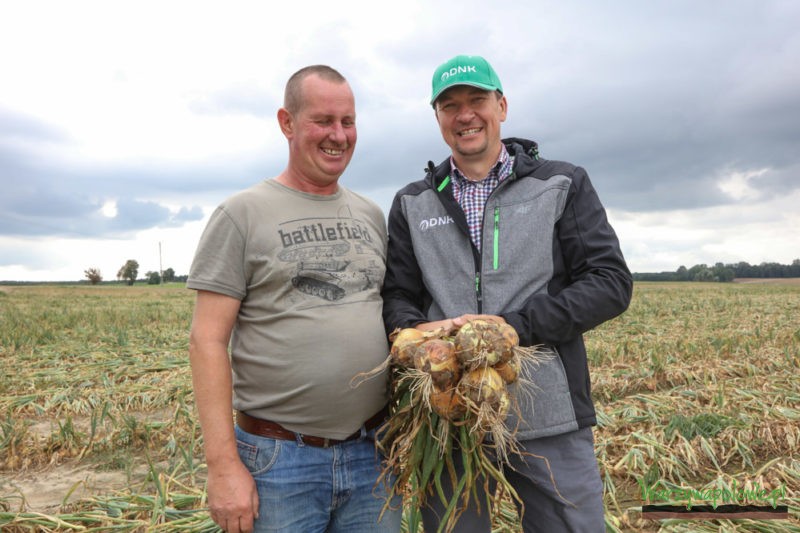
column 123, row 124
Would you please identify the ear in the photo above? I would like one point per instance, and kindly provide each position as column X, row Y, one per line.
column 286, row 122
column 503, row 103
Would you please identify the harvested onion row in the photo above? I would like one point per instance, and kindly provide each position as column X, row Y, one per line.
column 449, row 392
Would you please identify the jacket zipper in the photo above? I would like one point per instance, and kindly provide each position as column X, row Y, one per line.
column 495, row 248
column 478, row 296
column 495, row 258
column 496, row 239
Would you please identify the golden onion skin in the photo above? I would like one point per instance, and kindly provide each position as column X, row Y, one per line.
column 505, row 341
column 479, row 342
column 438, row 358
column 467, row 341
column 404, row 346
column 447, row 403
column 486, row 386
column 509, row 370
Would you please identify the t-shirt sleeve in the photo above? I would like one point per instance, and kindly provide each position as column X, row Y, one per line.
column 218, row 264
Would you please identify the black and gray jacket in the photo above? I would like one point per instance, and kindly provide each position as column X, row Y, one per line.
column 550, row 265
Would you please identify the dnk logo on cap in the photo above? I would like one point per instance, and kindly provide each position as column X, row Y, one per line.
column 459, row 70
column 464, row 70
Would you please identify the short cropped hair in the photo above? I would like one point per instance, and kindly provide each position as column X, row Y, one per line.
column 293, row 95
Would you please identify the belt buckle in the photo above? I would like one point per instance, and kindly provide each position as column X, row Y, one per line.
column 326, row 442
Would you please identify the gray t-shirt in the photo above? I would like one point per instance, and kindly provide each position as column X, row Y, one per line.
column 308, row 270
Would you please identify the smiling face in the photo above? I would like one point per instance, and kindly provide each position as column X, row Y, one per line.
column 321, row 135
column 469, row 119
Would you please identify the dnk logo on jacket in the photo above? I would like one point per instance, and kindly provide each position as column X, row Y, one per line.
column 435, row 221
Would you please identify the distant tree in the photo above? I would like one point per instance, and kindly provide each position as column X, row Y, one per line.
column 168, row 275
column 723, row 273
column 93, row 275
column 743, row 269
column 700, row 273
column 704, row 275
column 794, row 269
column 153, row 278
column 129, row 271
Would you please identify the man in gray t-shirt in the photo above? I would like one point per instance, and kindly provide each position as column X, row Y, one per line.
column 288, row 276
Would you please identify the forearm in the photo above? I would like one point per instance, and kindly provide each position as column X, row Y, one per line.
column 232, row 496
column 561, row 317
column 211, row 379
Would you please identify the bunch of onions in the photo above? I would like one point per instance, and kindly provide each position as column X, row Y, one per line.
column 449, row 392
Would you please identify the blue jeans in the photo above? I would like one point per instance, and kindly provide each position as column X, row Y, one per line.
column 308, row 489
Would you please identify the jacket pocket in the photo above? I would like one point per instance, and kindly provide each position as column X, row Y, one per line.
column 545, row 404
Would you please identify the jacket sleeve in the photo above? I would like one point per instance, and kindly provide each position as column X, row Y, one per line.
column 404, row 294
column 591, row 282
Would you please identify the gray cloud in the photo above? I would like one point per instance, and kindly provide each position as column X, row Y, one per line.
column 51, row 200
column 660, row 102
column 81, row 217
column 657, row 119
column 15, row 127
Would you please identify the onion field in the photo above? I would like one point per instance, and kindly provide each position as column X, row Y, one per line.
column 697, row 388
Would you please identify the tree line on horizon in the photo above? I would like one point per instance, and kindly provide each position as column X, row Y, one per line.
column 724, row 272
column 720, row 272
column 129, row 273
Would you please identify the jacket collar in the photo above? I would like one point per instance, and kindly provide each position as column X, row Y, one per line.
column 526, row 159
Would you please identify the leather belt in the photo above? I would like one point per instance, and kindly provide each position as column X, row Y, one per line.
column 273, row 430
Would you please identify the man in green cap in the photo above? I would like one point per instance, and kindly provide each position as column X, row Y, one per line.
column 522, row 240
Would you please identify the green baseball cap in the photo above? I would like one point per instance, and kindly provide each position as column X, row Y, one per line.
column 465, row 70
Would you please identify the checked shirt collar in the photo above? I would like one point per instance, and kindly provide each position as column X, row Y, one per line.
column 472, row 195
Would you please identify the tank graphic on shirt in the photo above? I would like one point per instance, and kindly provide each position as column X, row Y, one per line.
column 319, row 278
column 326, row 278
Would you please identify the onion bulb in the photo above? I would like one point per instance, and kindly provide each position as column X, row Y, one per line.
column 404, row 345
column 447, row 403
column 485, row 387
column 504, row 341
column 475, row 343
column 437, row 357
column 509, row 370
